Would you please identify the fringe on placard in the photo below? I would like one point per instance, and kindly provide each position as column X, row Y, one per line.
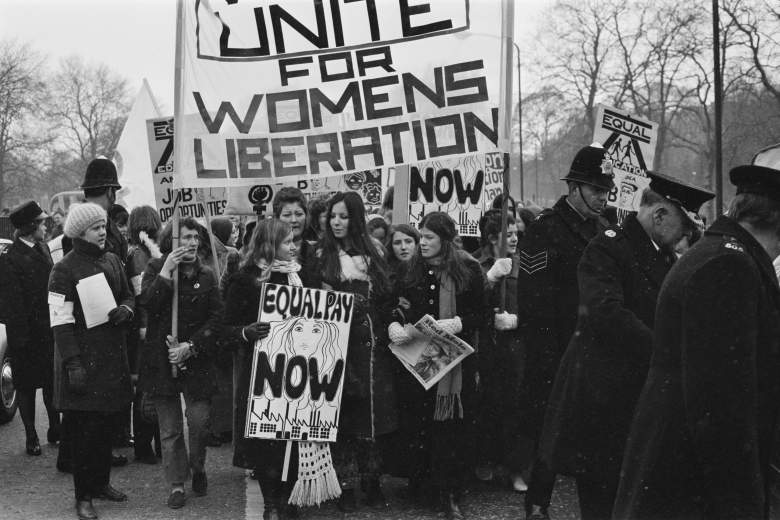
column 446, row 406
column 317, row 480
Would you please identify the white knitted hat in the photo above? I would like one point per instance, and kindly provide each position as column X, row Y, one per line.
column 81, row 217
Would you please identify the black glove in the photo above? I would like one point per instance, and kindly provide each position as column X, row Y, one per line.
column 77, row 376
column 257, row 330
column 119, row 315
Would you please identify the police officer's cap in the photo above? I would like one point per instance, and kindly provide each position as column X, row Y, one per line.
column 27, row 213
column 759, row 180
column 689, row 198
column 101, row 173
column 591, row 166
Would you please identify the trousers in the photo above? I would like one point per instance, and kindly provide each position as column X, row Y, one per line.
column 177, row 463
column 89, row 435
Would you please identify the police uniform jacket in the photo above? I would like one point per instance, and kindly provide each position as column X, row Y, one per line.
column 24, row 277
column 102, row 348
column 605, row 364
column 701, row 440
column 200, row 321
column 547, row 295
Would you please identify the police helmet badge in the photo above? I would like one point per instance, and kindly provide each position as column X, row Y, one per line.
column 606, row 167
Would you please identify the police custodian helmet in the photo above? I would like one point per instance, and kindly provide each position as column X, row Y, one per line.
column 101, row 173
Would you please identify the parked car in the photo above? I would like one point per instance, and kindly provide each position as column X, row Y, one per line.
column 8, row 402
column 4, row 243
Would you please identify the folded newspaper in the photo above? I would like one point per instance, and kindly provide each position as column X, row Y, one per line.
column 431, row 353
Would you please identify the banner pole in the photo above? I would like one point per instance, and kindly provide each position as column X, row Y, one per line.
column 505, row 122
column 177, row 118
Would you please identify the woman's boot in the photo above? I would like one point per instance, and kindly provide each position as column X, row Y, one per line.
column 272, row 507
column 451, row 506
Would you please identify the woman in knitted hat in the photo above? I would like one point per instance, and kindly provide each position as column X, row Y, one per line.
column 447, row 284
column 91, row 373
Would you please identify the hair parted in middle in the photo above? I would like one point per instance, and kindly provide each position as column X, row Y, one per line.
column 358, row 238
column 267, row 236
column 452, row 259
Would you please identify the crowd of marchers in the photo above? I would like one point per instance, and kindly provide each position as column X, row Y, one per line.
column 636, row 351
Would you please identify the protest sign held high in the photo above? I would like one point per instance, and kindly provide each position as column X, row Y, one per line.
column 298, row 369
column 286, row 91
column 629, row 142
column 191, row 204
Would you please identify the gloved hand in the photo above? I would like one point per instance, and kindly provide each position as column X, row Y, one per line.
column 119, row 315
column 505, row 321
column 451, row 325
column 501, row 268
column 398, row 334
column 77, row 376
column 257, row 330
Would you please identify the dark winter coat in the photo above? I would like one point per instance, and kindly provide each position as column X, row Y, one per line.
column 368, row 401
column 200, row 321
column 242, row 304
column 439, row 450
column 24, row 277
column 702, row 437
column 137, row 258
column 102, row 349
column 605, row 364
column 547, row 296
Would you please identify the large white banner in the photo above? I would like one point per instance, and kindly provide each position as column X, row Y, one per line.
column 290, row 89
column 630, row 144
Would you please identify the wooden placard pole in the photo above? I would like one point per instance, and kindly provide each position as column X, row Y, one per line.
column 505, row 122
column 178, row 112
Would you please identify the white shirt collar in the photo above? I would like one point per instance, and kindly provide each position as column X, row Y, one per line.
column 31, row 244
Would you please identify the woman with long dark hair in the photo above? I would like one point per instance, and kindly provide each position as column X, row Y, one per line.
column 349, row 260
column 447, row 284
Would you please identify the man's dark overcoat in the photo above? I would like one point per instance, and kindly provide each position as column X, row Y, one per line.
column 701, row 440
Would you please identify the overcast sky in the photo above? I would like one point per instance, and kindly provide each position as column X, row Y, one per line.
column 136, row 37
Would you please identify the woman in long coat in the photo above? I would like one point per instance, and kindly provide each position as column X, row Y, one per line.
column 447, row 284
column 91, row 372
column 261, row 263
column 350, row 261
column 24, row 276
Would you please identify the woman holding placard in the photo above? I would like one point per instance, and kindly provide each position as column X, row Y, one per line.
column 447, row 284
column 91, row 372
column 349, row 260
column 269, row 258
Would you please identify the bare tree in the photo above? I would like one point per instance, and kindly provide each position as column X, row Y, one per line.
column 20, row 89
column 89, row 105
column 582, row 53
column 758, row 23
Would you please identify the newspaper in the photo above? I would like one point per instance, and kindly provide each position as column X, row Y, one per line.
column 431, row 353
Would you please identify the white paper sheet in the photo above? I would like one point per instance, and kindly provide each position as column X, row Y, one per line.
column 96, row 298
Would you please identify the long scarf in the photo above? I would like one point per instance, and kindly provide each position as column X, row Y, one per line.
column 317, row 480
column 448, row 401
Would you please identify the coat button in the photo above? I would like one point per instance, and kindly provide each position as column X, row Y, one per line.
column 430, row 272
column 430, row 301
column 433, row 287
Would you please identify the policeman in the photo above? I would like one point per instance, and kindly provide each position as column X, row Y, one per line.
column 100, row 186
column 24, row 308
column 703, row 432
column 605, row 363
column 547, row 291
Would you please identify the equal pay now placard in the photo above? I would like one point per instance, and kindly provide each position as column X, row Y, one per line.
column 290, row 89
column 298, row 369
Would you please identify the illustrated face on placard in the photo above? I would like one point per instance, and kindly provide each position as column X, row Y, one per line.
column 307, row 335
column 627, row 192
